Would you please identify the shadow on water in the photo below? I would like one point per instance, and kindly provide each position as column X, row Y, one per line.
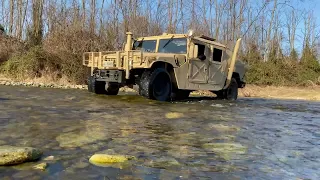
column 199, row 138
column 4, row 99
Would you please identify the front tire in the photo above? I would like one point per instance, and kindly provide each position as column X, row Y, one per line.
column 156, row 85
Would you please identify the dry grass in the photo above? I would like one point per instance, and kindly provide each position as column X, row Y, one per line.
column 311, row 93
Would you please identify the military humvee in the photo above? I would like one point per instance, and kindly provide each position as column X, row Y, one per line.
column 167, row 67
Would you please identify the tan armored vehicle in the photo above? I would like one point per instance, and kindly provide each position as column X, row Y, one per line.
column 167, row 67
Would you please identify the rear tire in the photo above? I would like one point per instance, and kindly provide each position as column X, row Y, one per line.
column 156, row 85
column 98, row 87
column 180, row 94
column 89, row 82
column 111, row 88
column 231, row 93
column 102, row 87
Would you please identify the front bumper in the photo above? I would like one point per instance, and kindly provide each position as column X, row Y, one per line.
column 117, row 76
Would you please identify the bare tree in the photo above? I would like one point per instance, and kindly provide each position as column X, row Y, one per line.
column 12, row 9
column 37, row 27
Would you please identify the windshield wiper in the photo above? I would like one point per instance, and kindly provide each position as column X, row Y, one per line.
column 140, row 42
column 168, row 42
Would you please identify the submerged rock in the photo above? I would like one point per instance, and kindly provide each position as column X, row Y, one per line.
column 49, row 158
column 226, row 150
column 224, row 128
column 94, row 131
column 164, row 163
column 41, row 166
column 10, row 155
column 108, row 158
column 174, row 115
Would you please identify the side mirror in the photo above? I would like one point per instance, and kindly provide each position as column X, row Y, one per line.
column 202, row 57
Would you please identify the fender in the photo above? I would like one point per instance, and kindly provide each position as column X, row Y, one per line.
column 174, row 60
column 232, row 63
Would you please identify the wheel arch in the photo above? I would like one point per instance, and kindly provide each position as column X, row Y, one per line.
column 162, row 64
column 169, row 67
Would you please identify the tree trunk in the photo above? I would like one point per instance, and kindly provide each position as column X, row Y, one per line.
column 37, row 27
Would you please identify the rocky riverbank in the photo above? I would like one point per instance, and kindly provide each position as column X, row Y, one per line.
column 311, row 93
column 35, row 84
column 43, row 83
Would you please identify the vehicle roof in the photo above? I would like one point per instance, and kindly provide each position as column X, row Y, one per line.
column 202, row 38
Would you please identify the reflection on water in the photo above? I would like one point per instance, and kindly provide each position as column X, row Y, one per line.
column 196, row 139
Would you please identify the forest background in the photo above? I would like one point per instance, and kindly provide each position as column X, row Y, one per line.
column 47, row 38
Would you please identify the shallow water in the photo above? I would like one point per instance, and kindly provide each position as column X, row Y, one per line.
column 201, row 138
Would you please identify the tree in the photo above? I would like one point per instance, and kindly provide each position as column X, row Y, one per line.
column 37, row 26
column 2, row 31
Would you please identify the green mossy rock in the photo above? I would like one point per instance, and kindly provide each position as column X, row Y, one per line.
column 107, row 158
column 10, row 155
column 164, row 163
column 41, row 166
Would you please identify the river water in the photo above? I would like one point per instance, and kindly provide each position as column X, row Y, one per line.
column 200, row 138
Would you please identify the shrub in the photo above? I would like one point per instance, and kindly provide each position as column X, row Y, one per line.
column 281, row 72
column 32, row 63
column 9, row 46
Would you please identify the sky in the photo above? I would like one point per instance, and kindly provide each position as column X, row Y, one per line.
column 308, row 5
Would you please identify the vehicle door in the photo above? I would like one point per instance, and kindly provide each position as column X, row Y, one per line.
column 217, row 67
column 198, row 66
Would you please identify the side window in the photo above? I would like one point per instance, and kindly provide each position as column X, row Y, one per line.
column 217, row 55
column 201, row 49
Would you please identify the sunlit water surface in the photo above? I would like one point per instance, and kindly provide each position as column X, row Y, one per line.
column 200, row 138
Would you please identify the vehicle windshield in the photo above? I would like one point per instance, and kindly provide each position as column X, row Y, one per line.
column 173, row 45
column 145, row 45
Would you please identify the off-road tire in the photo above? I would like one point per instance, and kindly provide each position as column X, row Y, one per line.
column 89, row 82
column 98, row 87
column 180, row 94
column 111, row 88
column 232, row 91
column 156, row 85
column 220, row 94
